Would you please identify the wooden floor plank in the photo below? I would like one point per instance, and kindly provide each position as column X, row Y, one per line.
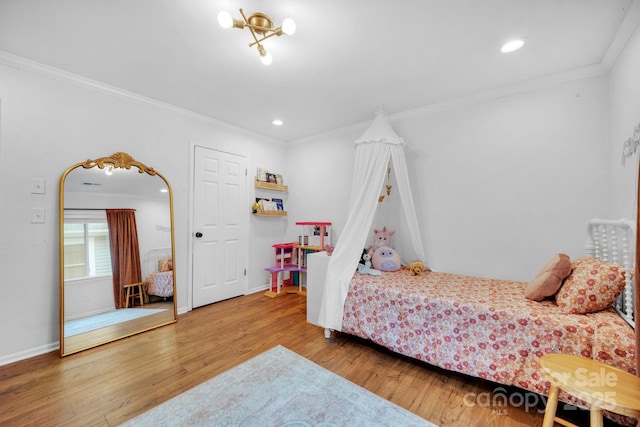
column 108, row 385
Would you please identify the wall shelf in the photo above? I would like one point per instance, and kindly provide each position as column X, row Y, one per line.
column 271, row 186
column 271, row 213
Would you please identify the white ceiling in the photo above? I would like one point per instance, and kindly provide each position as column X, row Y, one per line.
column 347, row 58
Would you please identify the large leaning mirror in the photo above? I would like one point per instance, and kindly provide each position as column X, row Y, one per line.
column 117, row 276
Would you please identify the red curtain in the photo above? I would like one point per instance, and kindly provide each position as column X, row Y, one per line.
column 125, row 252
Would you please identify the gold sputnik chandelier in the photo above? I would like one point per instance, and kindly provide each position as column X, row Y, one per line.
column 261, row 27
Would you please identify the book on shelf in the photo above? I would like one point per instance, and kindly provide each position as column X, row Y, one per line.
column 279, row 204
column 266, row 204
column 271, row 178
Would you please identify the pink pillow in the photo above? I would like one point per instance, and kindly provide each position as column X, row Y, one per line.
column 549, row 279
column 592, row 286
column 165, row 264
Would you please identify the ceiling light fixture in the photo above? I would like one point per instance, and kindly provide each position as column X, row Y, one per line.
column 512, row 46
column 277, row 122
column 261, row 27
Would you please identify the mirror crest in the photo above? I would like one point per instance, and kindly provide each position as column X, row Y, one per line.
column 119, row 160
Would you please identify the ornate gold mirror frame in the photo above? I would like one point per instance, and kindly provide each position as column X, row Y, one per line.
column 83, row 195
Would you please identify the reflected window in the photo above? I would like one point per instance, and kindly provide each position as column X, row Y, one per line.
column 86, row 245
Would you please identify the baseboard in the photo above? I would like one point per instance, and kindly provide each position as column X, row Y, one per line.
column 256, row 290
column 26, row 354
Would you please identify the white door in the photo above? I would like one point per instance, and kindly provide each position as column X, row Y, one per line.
column 220, row 226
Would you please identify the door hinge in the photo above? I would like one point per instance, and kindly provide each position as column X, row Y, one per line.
column 245, row 271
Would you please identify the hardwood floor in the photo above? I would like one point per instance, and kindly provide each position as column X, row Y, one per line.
column 107, row 334
column 108, row 385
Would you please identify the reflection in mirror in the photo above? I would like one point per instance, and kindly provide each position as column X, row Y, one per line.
column 116, row 252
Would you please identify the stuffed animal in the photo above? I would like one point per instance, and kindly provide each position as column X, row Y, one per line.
column 364, row 267
column 363, row 259
column 386, row 258
column 381, row 238
column 416, row 268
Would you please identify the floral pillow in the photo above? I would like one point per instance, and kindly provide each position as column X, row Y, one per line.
column 165, row 264
column 592, row 286
column 549, row 279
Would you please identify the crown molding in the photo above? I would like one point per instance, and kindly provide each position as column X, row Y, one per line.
column 23, row 64
column 476, row 98
column 625, row 31
column 505, row 91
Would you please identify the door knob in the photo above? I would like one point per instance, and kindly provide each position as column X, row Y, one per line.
column 198, row 234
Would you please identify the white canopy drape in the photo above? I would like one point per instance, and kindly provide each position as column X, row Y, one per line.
column 377, row 146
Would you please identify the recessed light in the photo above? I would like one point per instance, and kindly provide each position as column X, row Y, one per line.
column 277, row 122
column 512, row 46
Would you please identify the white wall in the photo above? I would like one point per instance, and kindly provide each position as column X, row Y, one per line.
column 624, row 101
column 49, row 123
column 505, row 184
column 500, row 186
column 321, row 181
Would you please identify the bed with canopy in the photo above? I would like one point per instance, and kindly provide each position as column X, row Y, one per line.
column 480, row 327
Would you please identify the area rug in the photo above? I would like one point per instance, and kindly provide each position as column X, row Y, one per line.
column 91, row 323
column 277, row 388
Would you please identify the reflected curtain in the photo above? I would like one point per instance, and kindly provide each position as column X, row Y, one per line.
column 125, row 252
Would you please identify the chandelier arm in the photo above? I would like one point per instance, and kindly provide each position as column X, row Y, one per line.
column 260, row 29
column 254, row 37
column 246, row 21
column 257, row 42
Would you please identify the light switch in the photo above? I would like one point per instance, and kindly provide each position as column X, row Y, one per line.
column 38, row 186
column 37, row 215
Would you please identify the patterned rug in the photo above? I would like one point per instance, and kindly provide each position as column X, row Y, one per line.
column 91, row 323
column 277, row 388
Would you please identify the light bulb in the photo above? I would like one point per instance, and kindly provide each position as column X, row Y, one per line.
column 108, row 170
column 266, row 58
column 224, row 19
column 289, row 26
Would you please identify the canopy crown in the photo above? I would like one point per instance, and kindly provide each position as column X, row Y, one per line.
column 380, row 131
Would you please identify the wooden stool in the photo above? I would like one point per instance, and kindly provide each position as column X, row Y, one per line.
column 134, row 290
column 602, row 386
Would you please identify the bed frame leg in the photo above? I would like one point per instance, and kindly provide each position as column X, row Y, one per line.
column 327, row 333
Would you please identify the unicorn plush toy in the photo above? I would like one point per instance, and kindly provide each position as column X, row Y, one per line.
column 381, row 238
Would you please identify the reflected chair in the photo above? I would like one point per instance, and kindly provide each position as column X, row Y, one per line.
column 134, row 290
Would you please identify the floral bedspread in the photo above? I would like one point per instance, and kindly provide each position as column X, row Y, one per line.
column 160, row 284
column 481, row 327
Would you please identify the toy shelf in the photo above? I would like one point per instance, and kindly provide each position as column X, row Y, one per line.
column 290, row 259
